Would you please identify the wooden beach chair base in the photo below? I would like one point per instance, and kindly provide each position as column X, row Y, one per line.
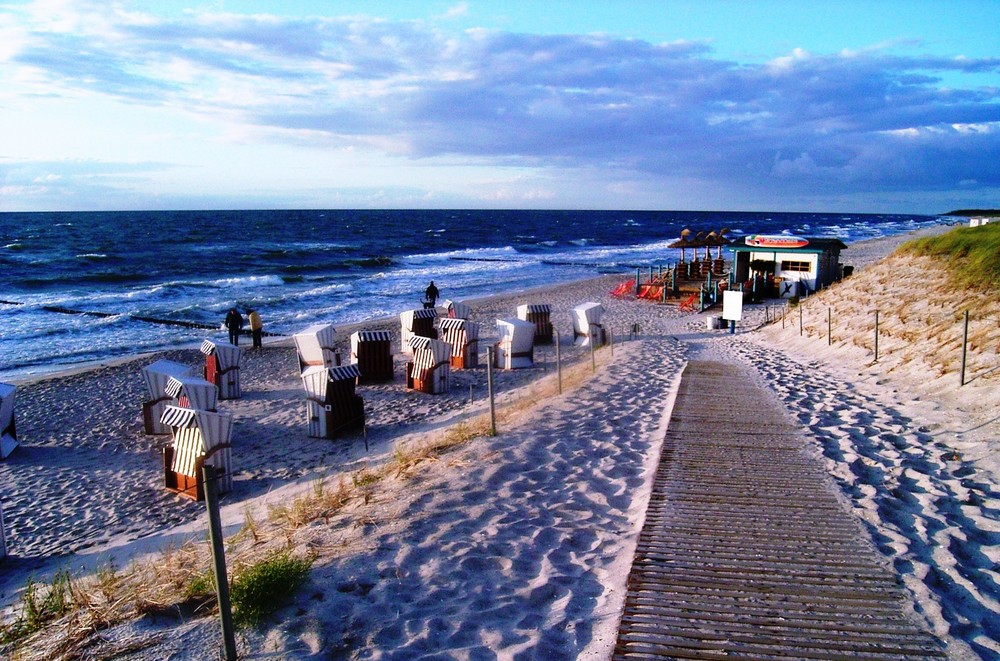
column 179, row 483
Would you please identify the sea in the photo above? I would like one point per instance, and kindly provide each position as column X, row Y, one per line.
column 79, row 287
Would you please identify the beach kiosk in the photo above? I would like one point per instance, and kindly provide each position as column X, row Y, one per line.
column 430, row 370
column 222, row 367
column 540, row 315
column 371, row 351
column 315, row 347
column 8, row 434
column 516, row 347
column 463, row 336
column 416, row 323
column 199, row 438
column 457, row 309
column 587, row 328
column 192, row 392
column 155, row 376
column 331, row 406
column 789, row 265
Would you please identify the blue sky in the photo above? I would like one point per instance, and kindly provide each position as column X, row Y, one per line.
column 786, row 106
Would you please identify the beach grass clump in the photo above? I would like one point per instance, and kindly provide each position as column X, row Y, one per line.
column 971, row 254
column 262, row 587
column 39, row 605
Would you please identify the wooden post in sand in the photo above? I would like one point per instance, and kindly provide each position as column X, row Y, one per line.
column 800, row 318
column 559, row 361
column 593, row 365
column 876, row 335
column 829, row 325
column 489, row 387
column 965, row 345
column 219, row 560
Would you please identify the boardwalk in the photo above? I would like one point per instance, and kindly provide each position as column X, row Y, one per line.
column 746, row 551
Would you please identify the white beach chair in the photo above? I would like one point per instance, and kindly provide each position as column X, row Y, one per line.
column 516, row 347
column 416, row 323
column 430, row 371
column 332, row 405
column 155, row 376
column 372, row 352
column 191, row 392
column 587, row 328
column 222, row 367
column 541, row 316
column 8, row 433
column 457, row 309
column 463, row 336
column 200, row 438
column 315, row 346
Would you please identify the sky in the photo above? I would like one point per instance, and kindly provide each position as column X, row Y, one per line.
column 806, row 105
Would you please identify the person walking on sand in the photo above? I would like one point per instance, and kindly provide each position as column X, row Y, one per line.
column 234, row 323
column 256, row 327
column 430, row 295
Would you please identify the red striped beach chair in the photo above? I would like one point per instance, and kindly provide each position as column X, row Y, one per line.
column 331, row 406
column 587, row 328
column 516, row 347
column 372, row 352
column 430, row 370
column 315, row 346
column 155, row 376
column 540, row 315
column 191, row 392
column 200, row 438
column 463, row 336
column 222, row 367
column 8, row 432
column 416, row 323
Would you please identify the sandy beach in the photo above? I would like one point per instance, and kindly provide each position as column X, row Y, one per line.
column 516, row 545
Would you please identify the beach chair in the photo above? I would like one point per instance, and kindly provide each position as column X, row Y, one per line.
column 587, row 328
column 372, row 352
column 515, row 349
column 430, row 370
column 416, row 323
column 192, row 392
column 199, row 438
column 155, row 376
column 315, row 347
column 463, row 336
column 457, row 309
column 8, row 434
column 331, row 406
column 540, row 315
column 222, row 367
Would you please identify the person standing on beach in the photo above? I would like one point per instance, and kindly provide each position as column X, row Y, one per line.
column 430, row 295
column 234, row 323
column 256, row 327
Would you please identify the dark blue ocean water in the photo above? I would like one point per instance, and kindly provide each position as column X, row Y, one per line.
column 303, row 267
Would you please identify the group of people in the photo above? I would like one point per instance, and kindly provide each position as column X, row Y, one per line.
column 234, row 324
column 234, row 320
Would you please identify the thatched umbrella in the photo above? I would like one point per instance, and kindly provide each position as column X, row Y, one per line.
column 682, row 242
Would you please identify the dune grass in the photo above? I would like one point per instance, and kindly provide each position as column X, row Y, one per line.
column 971, row 254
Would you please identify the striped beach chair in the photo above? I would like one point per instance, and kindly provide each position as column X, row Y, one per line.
column 8, row 433
column 155, row 376
column 430, row 370
column 457, row 309
column 332, row 406
column 192, row 392
column 199, row 438
column 222, row 367
column 315, row 347
column 587, row 328
column 372, row 352
column 463, row 336
column 541, row 316
column 416, row 323
column 516, row 347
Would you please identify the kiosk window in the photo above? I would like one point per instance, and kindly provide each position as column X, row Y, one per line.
column 802, row 267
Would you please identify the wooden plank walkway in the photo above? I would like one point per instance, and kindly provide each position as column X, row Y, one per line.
column 747, row 552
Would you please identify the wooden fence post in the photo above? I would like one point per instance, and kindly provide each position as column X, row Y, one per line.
column 965, row 345
column 219, row 560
